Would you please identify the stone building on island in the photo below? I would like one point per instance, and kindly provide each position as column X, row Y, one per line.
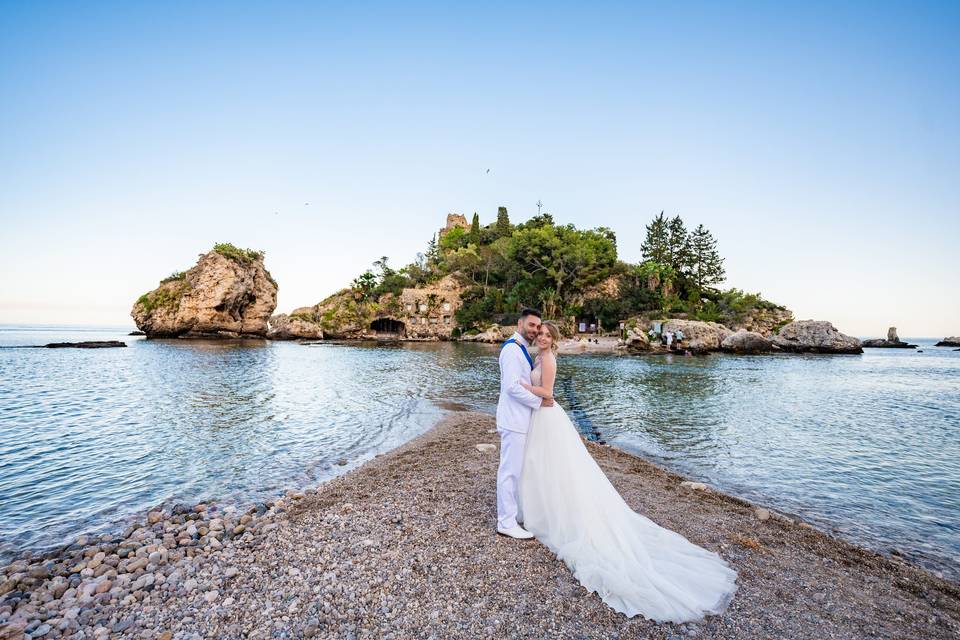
column 422, row 313
column 454, row 221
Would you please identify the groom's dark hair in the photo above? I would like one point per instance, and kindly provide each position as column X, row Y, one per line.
column 527, row 311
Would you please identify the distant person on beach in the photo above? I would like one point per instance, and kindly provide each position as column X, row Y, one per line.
column 636, row 566
column 679, row 337
column 514, row 409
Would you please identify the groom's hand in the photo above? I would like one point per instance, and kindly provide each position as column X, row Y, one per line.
column 547, row 402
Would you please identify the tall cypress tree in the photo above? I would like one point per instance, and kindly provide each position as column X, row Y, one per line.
column 656, row 245
column 503, row 223
column 475, row 229
column 705, row 261
column 678, row 246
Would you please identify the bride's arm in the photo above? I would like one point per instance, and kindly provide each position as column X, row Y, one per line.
column 549, row 376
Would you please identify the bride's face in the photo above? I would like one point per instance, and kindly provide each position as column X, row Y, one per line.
column 544, row 339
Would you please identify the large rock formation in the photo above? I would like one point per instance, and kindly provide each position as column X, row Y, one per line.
column 698, row 337
column 637, row 339
column 764, row 320
column 952, row 341
column 229, row 293
column 892, row 341
column 494, row 334
column 343, row 315
column 815, row 336
column 299, row 325
column 746, row 342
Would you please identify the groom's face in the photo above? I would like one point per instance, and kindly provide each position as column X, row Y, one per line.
column 530, row 328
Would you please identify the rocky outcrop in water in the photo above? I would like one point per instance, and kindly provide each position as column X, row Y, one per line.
column 95, row 344
column 229, row 293
column 301, row 324
column 699, row 337
column 746, row 342
column 952, row 341
column 892, row 341
column 815, row 336
column 637, row 339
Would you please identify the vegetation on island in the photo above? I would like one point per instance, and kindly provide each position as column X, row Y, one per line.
column 164, row 297
column 566, row 271
column 244, row 256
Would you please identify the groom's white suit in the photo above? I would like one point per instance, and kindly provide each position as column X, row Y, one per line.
column 514, row 409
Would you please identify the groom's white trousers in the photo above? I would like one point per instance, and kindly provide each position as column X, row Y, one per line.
column 512, row 444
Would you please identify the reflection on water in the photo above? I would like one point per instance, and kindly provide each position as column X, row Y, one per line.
column 863, row 445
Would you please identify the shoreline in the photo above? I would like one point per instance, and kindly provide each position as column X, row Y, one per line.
column 404, row 545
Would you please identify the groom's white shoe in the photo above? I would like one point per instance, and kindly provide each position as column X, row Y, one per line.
column 515, row 531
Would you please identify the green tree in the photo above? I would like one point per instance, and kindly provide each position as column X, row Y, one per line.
column 474, row 235
column 454, row 239
column 537, row 221
column 678, row 246
column 563, row 260
column 467, row 261
column 503, row 226
column 656, row 245
column 364, row 284
column 432, row 256
column 706, row 265
column 385, row 269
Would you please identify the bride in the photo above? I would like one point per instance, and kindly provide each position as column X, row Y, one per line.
column 566, row 501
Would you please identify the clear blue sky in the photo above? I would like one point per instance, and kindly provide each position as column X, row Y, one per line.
column 820, row 143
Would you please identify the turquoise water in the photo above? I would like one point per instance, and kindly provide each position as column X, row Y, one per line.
column 866, row 446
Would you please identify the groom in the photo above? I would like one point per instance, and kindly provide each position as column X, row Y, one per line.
column 514, row 410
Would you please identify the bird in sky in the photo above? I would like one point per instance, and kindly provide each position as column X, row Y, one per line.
column 488, row 170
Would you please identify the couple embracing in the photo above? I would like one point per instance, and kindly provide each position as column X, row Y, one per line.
column 549, row 481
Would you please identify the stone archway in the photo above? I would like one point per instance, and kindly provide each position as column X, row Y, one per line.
column 388, row 328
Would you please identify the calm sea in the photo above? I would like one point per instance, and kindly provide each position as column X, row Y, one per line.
column 867, row 446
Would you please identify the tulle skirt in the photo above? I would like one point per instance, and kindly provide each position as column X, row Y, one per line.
column 632, row 563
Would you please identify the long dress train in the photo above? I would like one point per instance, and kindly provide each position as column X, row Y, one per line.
column 632, row 563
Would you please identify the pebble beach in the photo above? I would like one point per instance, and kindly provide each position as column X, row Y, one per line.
column 404, row 547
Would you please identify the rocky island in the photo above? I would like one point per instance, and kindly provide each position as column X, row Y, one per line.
column 472, row 281
column 228, row 294
column 892, row 341
column 952, row 341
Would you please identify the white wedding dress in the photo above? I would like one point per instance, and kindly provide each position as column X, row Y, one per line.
column 634, row 565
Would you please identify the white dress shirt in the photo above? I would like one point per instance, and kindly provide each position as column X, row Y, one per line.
column 516, row 404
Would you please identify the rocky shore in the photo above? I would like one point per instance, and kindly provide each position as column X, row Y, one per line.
column 403, row 547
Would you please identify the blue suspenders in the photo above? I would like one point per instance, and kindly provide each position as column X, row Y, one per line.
column 522, row 348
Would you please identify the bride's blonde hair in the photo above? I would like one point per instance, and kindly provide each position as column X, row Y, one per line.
column 554, row 331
